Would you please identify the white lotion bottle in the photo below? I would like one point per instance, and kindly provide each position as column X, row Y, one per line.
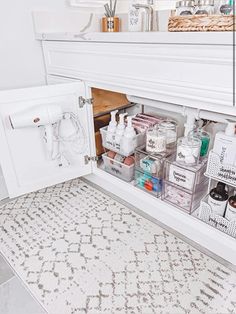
column 120, row 130
column 225, row 144
column 111, row 130
column 128, row 142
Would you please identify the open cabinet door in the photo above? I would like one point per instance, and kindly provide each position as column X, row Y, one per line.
column 26, row 162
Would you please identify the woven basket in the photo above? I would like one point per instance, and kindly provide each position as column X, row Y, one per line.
column 202, row 23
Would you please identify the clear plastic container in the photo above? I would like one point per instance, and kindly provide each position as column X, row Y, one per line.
column 188, row 150
column 170, row 129
column 183, row 198
column 205, row 141
column 118, row 168
column 155, row 140
column 152, row 164
column 123, row 148
column 185, row 7
column 148, row 183
column 205, row 7
column 187, row 177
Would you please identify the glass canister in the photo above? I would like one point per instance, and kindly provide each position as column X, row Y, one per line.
column 205, row 7
column 155, row 140
column 205, row 141
column 185, row 7
column 188, row 150
column 169, row 127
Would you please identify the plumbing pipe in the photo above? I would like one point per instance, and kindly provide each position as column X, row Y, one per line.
column 185, row 111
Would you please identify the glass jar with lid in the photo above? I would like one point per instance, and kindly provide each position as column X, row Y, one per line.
column 169, row 127
column 205, row 7
column 155, row 140
column 185, row 7
column 188, row 150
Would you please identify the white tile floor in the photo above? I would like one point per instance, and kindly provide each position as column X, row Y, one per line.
column 80, row 252
column 14, row 298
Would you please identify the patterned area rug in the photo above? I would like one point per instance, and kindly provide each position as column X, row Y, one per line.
column 79, row 251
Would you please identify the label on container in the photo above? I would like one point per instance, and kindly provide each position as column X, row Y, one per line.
column 217, row 207
column 181, row 177
column 230, row 213
column 155, row 144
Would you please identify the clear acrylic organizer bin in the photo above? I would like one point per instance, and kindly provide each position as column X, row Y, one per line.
column 148, row 183
column 118, row 169
column 152, row 164
column 184, row 186
column 184, row 176
column 206, row 214
column 182, row 198
column 126, row 147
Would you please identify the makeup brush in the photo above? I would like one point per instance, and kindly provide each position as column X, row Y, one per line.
column 114, row 8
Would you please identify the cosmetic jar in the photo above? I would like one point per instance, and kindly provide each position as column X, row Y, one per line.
column 155, row 140
column 185, row 7
column 170, row 129
column 205, row 7
column 188, row 150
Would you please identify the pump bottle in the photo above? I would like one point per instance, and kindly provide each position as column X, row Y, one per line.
column 120, row 130
column 111, row 130
column 225, row 144
column 129, row 143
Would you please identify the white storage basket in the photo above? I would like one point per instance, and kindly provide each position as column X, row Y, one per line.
column 118, row 169
column 206, row 214
column 220, row 172
column 126, row 146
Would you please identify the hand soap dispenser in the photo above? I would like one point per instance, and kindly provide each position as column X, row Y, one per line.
column 218, row 198
column 129, row 143
column 111, row 130
column 225, row 144
column 120, row 130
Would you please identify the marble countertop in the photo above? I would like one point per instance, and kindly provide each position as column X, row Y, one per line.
column 194, row 38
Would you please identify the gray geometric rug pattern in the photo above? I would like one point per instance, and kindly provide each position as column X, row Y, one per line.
column 79, row 251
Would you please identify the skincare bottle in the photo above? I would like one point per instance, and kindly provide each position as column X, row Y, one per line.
column 111, row 130
column 218, row 198
column 225, row 144
column 230, row 213
column 120, row 130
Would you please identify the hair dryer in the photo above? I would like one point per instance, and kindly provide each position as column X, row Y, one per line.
column 39, row 116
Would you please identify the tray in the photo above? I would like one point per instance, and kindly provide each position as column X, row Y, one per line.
column 202, row 23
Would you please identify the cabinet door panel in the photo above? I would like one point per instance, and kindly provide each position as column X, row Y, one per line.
column 23, row 154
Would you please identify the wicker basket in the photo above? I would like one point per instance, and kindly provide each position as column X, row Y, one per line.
column 202, row 23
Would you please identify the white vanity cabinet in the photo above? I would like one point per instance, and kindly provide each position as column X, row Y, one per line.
column 168, row 68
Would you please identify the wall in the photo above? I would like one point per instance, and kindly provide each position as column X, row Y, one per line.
column 21, row 62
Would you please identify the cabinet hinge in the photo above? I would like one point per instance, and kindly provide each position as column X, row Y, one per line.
column 83, row 101
column 87, row 159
